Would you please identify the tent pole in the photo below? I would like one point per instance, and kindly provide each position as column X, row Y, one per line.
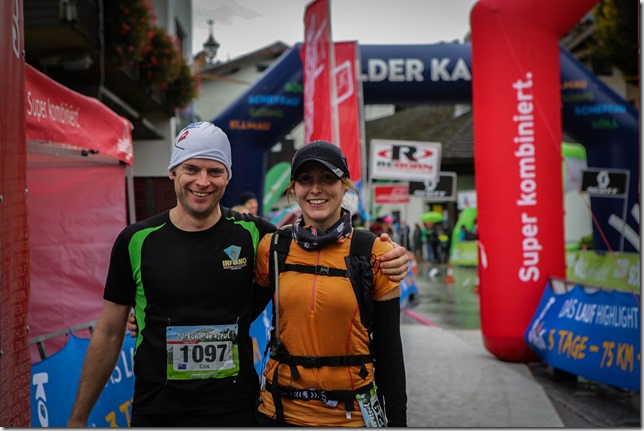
column 129, row 180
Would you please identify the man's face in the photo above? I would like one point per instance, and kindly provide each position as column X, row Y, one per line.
column 199, row 185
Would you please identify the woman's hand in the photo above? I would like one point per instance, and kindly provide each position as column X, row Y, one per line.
column 132, row 327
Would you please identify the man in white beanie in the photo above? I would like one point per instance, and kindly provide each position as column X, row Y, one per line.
column 188, row 274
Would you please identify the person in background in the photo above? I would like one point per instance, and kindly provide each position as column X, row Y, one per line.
column 249, row 200
column 320, row 372
column 356, row 221
column 188, row 273
column 388, row 226
column 442, row 249
column 418, row 242
column 463, row 233
column 403, row 234
column 378, row 227
column 449, row 231
column 432, row 242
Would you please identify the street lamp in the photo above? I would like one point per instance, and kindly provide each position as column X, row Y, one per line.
column 211, row 46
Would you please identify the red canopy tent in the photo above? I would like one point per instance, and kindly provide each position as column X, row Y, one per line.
column 79, row 153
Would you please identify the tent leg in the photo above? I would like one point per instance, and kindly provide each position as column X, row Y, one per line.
column 129, row 179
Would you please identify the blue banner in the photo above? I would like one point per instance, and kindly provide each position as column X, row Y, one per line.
column 54, row 382
column 589, row 332
column 609, row 129
column 416, row 74
column 592, row 113
column 259, row 332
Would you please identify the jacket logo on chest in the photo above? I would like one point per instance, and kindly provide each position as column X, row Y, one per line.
column 235, row 261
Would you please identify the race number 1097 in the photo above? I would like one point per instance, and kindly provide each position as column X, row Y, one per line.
column 201, row 356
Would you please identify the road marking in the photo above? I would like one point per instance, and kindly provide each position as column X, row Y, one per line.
column 419, row 318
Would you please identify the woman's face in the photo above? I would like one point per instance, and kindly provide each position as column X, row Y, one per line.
column 319, row 194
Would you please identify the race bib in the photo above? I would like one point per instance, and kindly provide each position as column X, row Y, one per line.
column 370, row 408
column 202, row 352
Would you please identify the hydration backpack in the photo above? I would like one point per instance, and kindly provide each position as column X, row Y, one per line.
column 359, row 271
column 359, row 267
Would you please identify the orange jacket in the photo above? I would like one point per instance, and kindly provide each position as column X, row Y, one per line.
column 319, row 316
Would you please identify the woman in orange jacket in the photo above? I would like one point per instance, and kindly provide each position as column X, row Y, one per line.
column 332, row 361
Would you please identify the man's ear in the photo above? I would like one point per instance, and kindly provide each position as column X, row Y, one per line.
column 172, row 174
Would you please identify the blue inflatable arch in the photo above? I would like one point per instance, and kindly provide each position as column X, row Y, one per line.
column 594, row 115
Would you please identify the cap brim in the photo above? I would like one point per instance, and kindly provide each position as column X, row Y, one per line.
column 336, row 171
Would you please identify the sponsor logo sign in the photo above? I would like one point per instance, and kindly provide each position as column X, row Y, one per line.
column 442, row 190
column 391, row 193
column 605, row 183
column 405, row 160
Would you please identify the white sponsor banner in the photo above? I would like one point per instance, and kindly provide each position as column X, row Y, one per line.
column 466, row 199
column 405, row 160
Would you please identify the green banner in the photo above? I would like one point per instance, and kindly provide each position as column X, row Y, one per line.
column 277, row 179
column 620, row 271
column 464, row 253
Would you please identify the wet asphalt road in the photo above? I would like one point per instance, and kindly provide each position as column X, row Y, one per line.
column 580, row 403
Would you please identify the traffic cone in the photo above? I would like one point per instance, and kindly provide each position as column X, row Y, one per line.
column 450, row 275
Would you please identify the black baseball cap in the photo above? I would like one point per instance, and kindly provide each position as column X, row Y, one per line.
column 322, row 152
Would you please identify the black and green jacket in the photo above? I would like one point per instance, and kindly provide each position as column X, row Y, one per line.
column 174, row 277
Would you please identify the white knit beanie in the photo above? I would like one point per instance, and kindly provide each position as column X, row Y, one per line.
column 202, row 140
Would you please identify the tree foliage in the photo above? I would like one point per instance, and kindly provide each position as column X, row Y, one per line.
column 617, row 36
column 133, row 40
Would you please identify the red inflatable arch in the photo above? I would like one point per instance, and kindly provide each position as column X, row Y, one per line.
column 517, row 148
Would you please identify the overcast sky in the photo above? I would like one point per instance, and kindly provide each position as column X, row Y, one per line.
column 242, row 26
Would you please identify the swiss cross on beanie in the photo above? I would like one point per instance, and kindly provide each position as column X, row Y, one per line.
column 202, row 140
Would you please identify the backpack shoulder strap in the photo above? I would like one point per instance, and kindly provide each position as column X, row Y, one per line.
column 278, row 250
column 360, row 271
column 362, row 242
column 280, row 243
